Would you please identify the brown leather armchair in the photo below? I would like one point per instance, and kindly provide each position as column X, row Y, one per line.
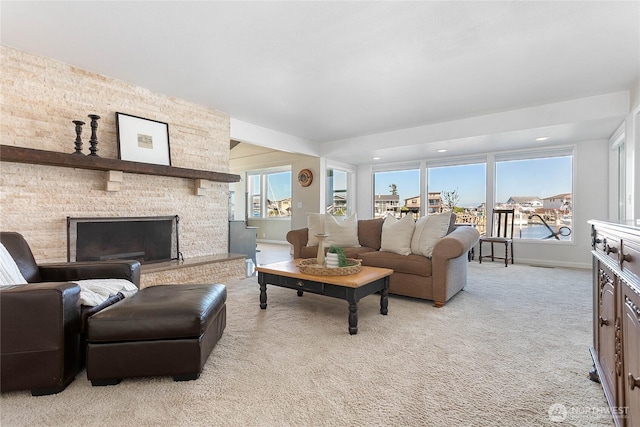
column 42, row 323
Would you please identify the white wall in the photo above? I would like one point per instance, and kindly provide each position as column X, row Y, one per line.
column 632, row 147
column 305, row 199
column 628, row 135
column 364, row 191
column 253, row 134
column 502, row 131
column 633, row 173
column 271, row 230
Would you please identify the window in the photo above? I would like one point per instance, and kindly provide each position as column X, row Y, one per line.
column 619, row 171
column 255, row 195
column 621, row 183
column 461, row 188
column 397, row 192
column 337, row 192
column 269, row 193
column 539, row 187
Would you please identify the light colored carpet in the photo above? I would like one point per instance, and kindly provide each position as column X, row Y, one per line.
column 500, row 353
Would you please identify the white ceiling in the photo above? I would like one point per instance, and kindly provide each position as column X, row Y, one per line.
column 346, row 75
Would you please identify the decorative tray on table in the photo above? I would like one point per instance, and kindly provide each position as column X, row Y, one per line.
column 311, row 266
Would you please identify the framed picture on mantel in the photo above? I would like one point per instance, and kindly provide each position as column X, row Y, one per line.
column 142, row 140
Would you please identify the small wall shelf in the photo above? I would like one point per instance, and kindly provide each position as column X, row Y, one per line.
column 9, row 153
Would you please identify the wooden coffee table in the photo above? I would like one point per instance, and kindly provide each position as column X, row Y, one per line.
column 350, row 287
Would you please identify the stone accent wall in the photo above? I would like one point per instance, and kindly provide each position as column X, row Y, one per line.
column 40, row 98
column 216, row 272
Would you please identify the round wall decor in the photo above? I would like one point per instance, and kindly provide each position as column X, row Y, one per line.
column 305, row 177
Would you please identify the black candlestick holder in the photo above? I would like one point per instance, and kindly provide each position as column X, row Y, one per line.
column 94, row 140
column 78, row 142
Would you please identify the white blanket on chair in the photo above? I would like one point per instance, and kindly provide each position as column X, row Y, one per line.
column 9, row 272
column 96, row 291
column 92, row 291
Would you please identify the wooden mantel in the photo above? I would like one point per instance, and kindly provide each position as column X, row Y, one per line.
column 9, row 153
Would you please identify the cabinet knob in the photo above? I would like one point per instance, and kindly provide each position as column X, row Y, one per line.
column 603, row 321
column 633, row 381
column 610, row 249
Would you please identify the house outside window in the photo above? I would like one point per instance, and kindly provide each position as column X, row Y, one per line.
column 435, row 202
column 394, row 186
column 539, row 187
column 385, row 204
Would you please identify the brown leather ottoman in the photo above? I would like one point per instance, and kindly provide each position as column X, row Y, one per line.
column 161, row 330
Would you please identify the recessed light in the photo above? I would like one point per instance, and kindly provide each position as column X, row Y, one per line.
column 542, row 138
column 442, row 150
column 376, row 158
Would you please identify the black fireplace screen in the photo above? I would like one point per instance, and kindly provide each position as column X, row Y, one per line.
column 146, row 239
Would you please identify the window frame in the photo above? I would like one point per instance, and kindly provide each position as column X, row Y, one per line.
column 457, row 162
column 398, row 167
column 263, row 196
column 489, row 159
column 541, row 153
column 350, row 184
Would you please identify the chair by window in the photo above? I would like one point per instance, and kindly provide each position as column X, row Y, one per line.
column 502, row 233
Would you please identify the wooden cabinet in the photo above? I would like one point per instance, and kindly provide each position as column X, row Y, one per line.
column 631, row 339
column 616, row 318
column 607, row 327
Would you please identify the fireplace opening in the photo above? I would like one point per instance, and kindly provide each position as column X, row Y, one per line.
column 146, row 239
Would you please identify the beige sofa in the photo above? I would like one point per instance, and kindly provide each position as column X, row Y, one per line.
column 437, row 278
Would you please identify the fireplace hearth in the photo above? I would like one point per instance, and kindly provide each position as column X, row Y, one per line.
column 146, row 239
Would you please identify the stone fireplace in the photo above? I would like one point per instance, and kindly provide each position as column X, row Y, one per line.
column 37, row 196
column 146, row 239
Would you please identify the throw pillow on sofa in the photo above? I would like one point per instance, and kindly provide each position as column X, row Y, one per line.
column 396, row 235
column 428, row 231
column 315, row 224
column 370, row 232
column 343, row 233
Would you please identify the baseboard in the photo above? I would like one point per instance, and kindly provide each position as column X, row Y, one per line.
column 547, row 263
column 275, row 242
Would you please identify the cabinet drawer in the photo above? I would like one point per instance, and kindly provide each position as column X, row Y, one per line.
column 306, row 285
column 630, row 258
column 607, row 246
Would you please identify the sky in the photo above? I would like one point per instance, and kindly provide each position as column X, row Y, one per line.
column 536, row 177
column 279, row 186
